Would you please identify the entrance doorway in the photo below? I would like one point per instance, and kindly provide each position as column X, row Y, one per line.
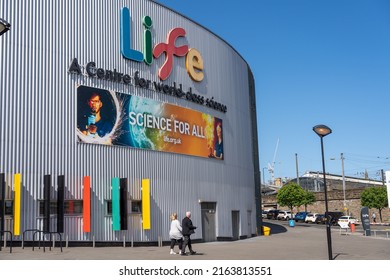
column 236, row 224
column 208, row 210
column 249, row 219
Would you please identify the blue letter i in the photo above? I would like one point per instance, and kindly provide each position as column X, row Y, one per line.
column 126, row 50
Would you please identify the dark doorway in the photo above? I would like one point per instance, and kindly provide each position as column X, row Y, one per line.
column 236, row 224
column 208, row 221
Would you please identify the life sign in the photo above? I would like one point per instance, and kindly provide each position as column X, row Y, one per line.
column 365, row 217
column 193, row 59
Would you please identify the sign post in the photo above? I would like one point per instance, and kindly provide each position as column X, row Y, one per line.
column 388, row 186
column 365, row 217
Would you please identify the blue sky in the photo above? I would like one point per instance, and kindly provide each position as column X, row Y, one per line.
column 314, row 62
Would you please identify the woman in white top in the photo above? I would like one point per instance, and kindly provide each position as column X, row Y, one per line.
column 175, row 233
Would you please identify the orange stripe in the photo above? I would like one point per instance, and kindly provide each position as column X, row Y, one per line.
column 87, row 204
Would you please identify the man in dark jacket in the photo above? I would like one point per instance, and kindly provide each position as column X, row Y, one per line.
column 188, row 229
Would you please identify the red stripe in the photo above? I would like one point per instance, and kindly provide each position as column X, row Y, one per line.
column 87, row 204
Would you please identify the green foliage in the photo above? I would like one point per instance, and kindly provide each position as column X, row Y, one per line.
column 309, row 198
column 375, row 197
column 291, row 195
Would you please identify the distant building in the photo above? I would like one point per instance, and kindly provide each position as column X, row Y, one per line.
column 313, row 181
column 348, row 201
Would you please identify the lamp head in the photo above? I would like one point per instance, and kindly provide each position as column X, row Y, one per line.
column 322, row 130
column 4, row 26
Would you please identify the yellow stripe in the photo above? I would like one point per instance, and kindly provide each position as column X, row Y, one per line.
column 17, row 199
column 145, row 203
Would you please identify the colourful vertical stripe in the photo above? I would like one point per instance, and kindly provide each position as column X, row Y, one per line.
column 145, row 203
column 148, row 48
column 87, row 204
column 116, row 216
column 17, row 200
column 126, row 49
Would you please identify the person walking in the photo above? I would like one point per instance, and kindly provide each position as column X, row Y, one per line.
column 374, row 217
column 175, row 234
column 188, row 229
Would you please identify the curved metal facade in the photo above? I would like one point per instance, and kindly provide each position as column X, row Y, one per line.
column 38, row 118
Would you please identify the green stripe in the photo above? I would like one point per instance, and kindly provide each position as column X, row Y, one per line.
column 116, row 218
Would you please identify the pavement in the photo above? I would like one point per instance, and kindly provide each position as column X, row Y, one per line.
column 302, row 242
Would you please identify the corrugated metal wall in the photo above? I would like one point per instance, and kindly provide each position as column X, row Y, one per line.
column 38, row 117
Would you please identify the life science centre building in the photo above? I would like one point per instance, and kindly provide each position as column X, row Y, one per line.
column 116, row 114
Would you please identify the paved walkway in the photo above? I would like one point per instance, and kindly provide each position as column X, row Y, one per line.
column 301, row 242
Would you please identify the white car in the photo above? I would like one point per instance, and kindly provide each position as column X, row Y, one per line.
column 311, row 218
column 284, row 215
column 264, row 214
column 347, row 220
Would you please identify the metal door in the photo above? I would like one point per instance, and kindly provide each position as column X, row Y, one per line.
column 249, row 219
column 208, row 221
column 236, row 224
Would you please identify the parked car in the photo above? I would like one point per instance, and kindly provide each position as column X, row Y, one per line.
column 334, row 216
column 264, row 214
column 272, row 214
column 348, row 220
column 300, row 216
column 284, row 215
column 311, row 217
column 321, row 219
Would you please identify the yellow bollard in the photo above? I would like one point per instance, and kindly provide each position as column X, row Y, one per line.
column 266, row 231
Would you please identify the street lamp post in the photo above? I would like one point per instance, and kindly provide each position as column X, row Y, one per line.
column 322, row 130
column 296, row 166
column 342, row 170
column 4, row 26
column 343, row 175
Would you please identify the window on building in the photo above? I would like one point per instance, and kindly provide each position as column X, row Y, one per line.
column 136, row 206
column 71, row 207
column 9, row 207
column 108, row 207
column 53, row 208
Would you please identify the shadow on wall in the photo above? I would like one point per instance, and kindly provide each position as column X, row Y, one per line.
column 275, row 229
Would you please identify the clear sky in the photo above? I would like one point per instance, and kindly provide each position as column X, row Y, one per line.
column 314, row 62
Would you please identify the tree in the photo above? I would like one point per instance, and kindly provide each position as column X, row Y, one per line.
column 375, row 197
column 308, row 199
column 290, row 195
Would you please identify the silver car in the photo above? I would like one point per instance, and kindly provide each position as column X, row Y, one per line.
column 284, row 215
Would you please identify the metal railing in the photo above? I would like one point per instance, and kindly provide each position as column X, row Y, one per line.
column 41, row 238
column 375, row 231
column 2, row 234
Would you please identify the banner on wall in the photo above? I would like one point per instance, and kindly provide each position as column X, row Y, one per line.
column 113, row 118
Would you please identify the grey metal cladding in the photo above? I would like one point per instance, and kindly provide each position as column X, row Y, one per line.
column 38, row 117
